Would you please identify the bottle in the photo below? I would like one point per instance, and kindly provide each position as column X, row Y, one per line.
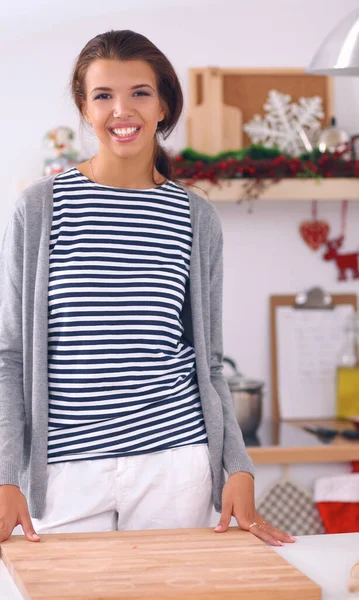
column 348, row 371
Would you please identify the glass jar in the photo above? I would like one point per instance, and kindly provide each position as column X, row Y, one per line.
column 348, row 371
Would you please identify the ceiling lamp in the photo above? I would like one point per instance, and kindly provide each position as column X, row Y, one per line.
column 339, row 52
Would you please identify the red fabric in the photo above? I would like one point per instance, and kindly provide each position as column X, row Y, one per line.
column 340, row 517
column 355, row 466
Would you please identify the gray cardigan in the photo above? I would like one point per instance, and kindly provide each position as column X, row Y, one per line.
column 23, row 344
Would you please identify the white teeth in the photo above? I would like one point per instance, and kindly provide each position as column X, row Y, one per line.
column 125, row 132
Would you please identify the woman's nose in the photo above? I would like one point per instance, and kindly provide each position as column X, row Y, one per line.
column 122, row 108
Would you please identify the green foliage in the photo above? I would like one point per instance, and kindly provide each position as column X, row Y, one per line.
column 254, row 152
column 259, row 152
column 256, row 161
column 191, row 155
column 313, row 155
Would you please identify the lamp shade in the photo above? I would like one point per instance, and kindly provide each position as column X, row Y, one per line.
column 339, row 53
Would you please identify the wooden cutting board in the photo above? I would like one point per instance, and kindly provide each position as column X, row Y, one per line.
column 193, row 564
column 213, row 126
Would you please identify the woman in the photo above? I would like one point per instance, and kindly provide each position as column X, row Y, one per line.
column 114, row 412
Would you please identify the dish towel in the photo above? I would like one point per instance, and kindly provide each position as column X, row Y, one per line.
column 291, row 508
column 337, row 499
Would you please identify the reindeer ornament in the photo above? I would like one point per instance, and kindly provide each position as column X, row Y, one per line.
column 315, row 234
column 345, row 262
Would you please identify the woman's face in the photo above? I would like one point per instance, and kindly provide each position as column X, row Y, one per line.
column 122, row 95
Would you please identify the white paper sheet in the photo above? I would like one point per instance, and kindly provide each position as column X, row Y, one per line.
column 308, row 349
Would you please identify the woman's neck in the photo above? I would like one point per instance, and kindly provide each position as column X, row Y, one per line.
column 124, row 174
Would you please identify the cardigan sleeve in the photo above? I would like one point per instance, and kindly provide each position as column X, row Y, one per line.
column 235, row 457
column 11, row 357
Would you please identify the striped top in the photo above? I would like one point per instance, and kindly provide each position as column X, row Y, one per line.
column 122, row 380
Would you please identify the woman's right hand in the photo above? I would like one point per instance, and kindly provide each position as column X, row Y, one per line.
column 14, row 511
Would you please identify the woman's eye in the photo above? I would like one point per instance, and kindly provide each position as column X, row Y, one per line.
column 100, row 96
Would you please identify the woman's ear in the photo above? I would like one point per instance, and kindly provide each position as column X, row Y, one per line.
column 162, row 115
column 84, row 114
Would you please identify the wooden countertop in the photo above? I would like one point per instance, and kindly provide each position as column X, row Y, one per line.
column 287, row 442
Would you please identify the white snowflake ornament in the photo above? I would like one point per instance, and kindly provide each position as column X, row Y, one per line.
column 286, row 124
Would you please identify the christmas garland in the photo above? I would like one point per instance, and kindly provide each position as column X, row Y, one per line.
column 258, row 163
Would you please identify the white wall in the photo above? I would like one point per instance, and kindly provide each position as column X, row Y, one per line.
column 263, row 254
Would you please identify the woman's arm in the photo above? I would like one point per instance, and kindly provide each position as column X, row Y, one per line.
column 11, row 365
column 238, row 491
column 235, row 457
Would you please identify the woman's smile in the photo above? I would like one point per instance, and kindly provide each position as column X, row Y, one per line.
column 127, row 134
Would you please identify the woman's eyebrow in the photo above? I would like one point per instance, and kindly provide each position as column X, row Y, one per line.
column 134, row 87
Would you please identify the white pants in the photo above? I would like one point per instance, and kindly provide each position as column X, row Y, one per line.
column 159, row 490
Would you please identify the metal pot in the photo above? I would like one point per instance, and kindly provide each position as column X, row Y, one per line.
column 247, row 397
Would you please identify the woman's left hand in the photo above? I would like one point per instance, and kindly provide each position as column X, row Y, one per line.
column 238, row 500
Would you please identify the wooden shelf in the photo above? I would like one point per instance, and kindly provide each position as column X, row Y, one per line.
column 287, row 189
column 338, row 450
column 345, row 451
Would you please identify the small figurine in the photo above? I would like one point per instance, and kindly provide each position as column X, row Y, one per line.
column 345, row 262
column 60, row 154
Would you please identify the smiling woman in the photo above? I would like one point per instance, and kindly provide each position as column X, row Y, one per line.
column 129, row 93
column 111, row 383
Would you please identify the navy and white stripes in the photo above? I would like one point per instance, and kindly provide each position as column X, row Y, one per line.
column 121, row 378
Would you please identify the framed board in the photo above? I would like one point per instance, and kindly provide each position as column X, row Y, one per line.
column 305, row 342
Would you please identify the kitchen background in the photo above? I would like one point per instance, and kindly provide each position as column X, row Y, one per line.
column 263, row 251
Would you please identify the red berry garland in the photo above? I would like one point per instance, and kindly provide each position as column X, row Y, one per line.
column 279, row 167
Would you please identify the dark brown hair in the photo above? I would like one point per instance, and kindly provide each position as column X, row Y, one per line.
column 128, row 45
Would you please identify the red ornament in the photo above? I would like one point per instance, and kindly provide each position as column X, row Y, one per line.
column 314, row 232
column 344, row 262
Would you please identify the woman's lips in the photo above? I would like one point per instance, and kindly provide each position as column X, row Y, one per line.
column 127, row 138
